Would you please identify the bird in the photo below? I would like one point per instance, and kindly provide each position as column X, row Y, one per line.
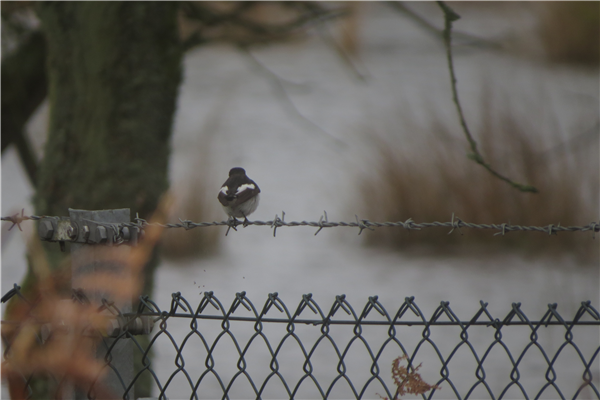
column 239, row 195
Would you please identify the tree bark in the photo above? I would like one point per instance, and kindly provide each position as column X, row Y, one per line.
column 114, row 70
column 23, row 90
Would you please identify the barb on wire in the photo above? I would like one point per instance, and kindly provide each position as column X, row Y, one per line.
column 475, row 155
column 16, row 219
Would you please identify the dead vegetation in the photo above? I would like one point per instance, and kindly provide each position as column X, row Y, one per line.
column 407, row 381
column 49, row 342
column 570, row 31
column 193, row 203
column 434, row 179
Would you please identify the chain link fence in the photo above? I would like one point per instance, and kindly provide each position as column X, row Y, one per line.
column 243, row 350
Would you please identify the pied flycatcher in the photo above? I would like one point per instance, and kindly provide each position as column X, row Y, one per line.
column 239, row 195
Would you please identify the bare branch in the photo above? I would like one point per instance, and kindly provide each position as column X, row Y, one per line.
column 24, row 87
column 280, row 91
column 346, row 58
column 437, row 32
column 449, row 17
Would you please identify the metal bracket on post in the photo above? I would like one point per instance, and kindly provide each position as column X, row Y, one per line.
column 115, row 327
column 89, row 231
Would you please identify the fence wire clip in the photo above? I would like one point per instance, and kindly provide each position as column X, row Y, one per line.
column 175, row 302
column 16, row 290
column 409, row 304
column 206, row 300
column 271, row 301
column 140, row 222
column 145, row 302
column 240, row 298
column 306, row 301
column 340, row 302
column 586, row 307
column 63, row 229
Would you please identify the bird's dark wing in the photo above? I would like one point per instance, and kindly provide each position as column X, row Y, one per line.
column 237, row 190
column 249, row 190
column 223, row 199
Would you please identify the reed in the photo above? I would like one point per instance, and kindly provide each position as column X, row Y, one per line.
column 433, row 179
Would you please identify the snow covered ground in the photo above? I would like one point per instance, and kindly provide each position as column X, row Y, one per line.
column 233, row 107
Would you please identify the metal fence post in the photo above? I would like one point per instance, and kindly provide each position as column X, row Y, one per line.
column 95, row 258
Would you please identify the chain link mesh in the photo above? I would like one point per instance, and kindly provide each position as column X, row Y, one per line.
column 216, row 355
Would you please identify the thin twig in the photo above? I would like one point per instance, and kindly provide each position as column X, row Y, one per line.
column 401, row 7
column 449, row 17
column 279, row 88
column 346, row 58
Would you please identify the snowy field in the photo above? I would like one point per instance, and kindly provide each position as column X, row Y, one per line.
column 231, row 109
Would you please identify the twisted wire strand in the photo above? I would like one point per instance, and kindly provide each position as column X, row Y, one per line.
column 323, row 222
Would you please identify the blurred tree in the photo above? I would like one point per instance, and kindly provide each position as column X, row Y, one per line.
column 23, row 90
column 113, row 74
column 111, row 71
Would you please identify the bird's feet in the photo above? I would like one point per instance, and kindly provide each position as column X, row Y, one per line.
column 232, row 222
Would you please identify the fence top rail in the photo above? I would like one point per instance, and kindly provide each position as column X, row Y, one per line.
column 408, row 314
column 454, row 224
column 363, row 322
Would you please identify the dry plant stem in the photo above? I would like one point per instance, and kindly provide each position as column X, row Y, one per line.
column 69, row 352
column 408, row 381
column 449, row 16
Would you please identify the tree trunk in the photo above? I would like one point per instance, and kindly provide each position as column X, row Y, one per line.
column 24, row 88
column 113, row 70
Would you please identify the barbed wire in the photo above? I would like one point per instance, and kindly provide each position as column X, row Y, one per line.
column 454, row 224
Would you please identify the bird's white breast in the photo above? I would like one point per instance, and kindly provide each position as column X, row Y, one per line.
column 244, row 209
